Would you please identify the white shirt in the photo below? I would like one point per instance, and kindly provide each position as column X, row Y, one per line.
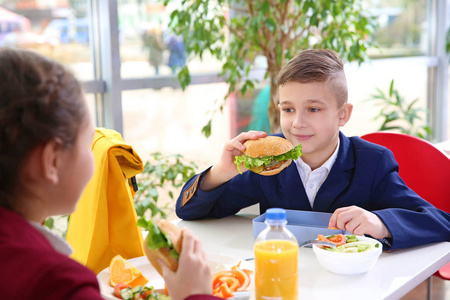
column 312, row 180
column 56, row 241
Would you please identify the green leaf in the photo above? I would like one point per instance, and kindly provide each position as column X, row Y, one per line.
column 142, row 222
column 154, row 192
column 206, row 130
column 265, row 7
column 314, row 20
column 391, row 88
column 271, row 25
column 49, row 223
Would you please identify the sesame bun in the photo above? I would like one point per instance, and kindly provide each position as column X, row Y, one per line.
column 175, row 235
column 267, row 146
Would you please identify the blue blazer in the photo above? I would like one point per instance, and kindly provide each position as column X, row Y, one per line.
column 364, row 174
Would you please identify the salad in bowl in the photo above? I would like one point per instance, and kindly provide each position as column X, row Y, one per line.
column 352, row 254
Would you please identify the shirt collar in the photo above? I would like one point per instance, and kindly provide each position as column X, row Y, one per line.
column 327, row 165
column 56, row 241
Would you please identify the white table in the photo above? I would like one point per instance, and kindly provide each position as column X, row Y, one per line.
column 395, row 274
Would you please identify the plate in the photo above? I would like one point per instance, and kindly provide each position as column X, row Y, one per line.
column 216, row 263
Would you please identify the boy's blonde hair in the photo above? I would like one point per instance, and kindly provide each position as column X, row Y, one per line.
column 317, row 65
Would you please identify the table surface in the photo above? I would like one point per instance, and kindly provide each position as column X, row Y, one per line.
column 395, row 274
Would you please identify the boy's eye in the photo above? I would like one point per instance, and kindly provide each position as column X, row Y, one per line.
column 313, row 109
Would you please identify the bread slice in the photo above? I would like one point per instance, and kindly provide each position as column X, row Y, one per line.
column 175, row 235
column 267, row 146
column 277, row 170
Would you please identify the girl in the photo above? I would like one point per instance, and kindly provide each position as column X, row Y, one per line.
column 45, row 163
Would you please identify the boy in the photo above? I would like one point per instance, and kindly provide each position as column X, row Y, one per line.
column 355, row 180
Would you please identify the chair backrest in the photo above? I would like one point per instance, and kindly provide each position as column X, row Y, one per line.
column 423, row 167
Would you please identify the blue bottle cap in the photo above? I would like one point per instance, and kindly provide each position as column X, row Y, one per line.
column 275, row 215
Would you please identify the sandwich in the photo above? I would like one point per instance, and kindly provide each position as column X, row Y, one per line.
column 163, row 241
column 268, row 156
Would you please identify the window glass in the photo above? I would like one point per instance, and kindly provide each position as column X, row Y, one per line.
column 170, row 121
column 448, row 107
column 146, row 46
column 56, row 29
column 410, row 80
column 403, row 26
column 91, row 104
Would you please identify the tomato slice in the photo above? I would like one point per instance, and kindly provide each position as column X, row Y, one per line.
column 338, row 239
column 120, row 286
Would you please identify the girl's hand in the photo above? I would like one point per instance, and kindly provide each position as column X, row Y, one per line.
column 193, row 275
column 359, row 221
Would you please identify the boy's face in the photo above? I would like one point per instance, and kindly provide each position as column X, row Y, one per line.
column 310, row 116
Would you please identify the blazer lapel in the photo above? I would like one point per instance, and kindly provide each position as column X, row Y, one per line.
column 292, row 188
column 338, row 179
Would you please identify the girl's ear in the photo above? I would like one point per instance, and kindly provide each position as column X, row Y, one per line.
column 344, row 113
column 50, row 160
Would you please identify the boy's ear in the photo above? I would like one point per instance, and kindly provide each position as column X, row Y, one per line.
column 50, row 160
column 344, row 113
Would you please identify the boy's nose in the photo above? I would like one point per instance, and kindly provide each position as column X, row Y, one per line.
column 299, row 122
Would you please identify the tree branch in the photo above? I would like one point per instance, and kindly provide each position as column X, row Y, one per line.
column 261, row 34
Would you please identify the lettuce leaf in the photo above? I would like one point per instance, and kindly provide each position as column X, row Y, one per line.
column 252, row 162
column 156, row 238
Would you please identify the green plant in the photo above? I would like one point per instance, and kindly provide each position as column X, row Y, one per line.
column 398, row 114
column 236, row 31
column 161, row 173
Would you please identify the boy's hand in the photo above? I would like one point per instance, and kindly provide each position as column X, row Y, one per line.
column 193, row 275
column 225, row 169
column 359, row 221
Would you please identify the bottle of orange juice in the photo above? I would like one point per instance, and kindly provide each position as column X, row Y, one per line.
column 276, row 257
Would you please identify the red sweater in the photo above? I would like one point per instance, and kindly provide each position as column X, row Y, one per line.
column 30, row 268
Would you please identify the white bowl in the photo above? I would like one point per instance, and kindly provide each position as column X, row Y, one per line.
column 349, row 263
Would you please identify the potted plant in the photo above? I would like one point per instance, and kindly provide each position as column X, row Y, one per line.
column 398, row 114
column 237, row 31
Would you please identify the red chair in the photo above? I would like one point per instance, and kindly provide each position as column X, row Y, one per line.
column 423, row 167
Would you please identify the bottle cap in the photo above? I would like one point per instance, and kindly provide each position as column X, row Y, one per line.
column 275, row 215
